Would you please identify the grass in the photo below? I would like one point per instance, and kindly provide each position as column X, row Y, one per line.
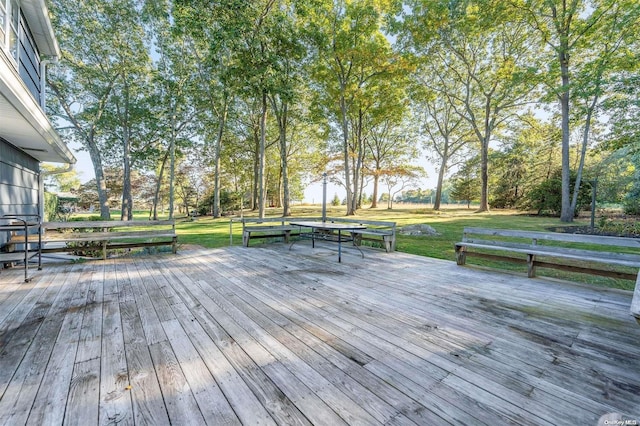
column 449, row 223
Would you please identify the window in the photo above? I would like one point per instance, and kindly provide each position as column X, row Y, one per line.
column 3, row 22
column 13, row 28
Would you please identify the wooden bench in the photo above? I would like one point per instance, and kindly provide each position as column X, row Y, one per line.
column 555, row 250
column 103, row 235
column 377, row 231
column 268, row 227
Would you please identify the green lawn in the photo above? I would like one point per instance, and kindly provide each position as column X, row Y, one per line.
column 212, row 233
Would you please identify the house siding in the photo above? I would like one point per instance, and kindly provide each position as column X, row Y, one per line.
column 19, row 187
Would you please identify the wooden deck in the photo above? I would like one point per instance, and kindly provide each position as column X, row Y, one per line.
column 264, row 335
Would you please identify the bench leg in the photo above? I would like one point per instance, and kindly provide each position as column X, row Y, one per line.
column 461, row 256
column 387, row 243
column 104, row 250
column 287, row 235
column 245, row 238
column 635, row 302
column 531, row 265
column 174, row 245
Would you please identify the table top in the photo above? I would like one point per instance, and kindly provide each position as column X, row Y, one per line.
column 328, row 225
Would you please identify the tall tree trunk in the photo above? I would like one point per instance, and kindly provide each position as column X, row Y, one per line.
column 441, row 173
column 484, row 157
column 286, row 192
column 566, row 214
column 256, row 168
column 484, row 175
column 218, row 155
column 156, row 195
column 374, row 196
column 101, row 181
column 172, row 163
column 357, row 169
column 345, row 150
column 281, row 113
column 583, row 154
column 360, row 192
column 261, row 157
column 126, row 212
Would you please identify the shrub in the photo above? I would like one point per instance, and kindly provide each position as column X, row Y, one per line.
column 546, row 198
column 50, row 206
column 632, row 200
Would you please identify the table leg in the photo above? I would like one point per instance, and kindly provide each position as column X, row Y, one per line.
column 339, row 246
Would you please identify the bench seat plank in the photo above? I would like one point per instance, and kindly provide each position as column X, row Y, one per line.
column 106, row 224
column 372, row 232
column 270, row 228
column 480, row 238
column 557, row 236
column 90, row 236
column 586, row 255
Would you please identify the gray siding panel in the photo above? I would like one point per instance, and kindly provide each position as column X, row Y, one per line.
column 19, row 190
column 18, row 176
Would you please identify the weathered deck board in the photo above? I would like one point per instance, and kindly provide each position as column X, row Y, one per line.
column 115, row 397
column 268, row 335
column 410, row 363
column 285, row 346
column 22, row 389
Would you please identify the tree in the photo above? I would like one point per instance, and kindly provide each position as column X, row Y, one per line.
column 466, row 185
column 389, row 149
column 85, row 77
column 177, row 96
column 632, row 198
column 351, row 54
column 604, row 57
column 546, row 198
column 87, row 195
column 62, row 181
column 237, row 37
column 213, row 47
column 447, row 134
column 400, row 178
column 191, row 176
column 285, row 90
column 615, row 172
column 125, row 123
column 528, row 155
column 575, row 30
column 623, row 109
column 487, row 51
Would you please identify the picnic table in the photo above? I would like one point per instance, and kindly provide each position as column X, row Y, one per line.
column 326, row 231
